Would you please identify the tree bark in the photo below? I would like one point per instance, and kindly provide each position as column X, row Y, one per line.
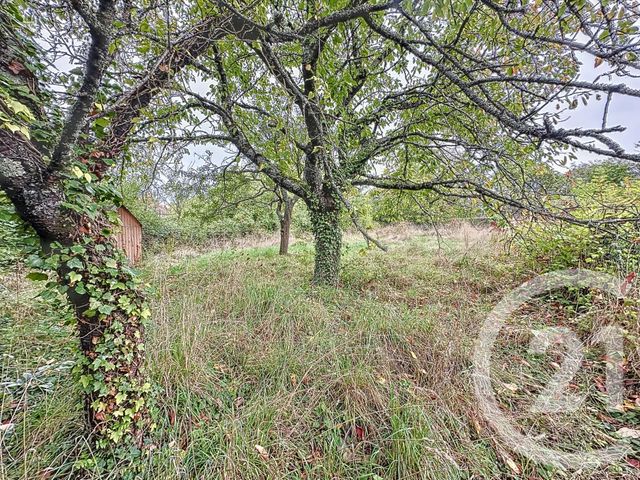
column 111, row 309
column 285, row 230
column 328, row 243
column 285, row 213
column 106, row 296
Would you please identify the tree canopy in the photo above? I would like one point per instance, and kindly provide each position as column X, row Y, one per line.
column 464, row 98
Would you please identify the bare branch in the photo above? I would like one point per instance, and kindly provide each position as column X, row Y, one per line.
column 101, row 30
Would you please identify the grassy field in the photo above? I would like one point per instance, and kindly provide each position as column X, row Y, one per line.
column 261, row 376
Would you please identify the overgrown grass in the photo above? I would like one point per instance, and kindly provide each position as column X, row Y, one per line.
column 261, row 376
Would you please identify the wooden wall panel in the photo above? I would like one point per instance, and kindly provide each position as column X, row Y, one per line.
column 129, row 237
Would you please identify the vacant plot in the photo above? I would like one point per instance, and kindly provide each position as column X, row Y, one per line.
column 261, row 376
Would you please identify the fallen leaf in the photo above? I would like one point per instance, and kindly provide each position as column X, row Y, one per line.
column 477, row 426
column 46, row 473
column 512, row 465
column 625, row 432
column 359, row 433
column 262, row 451
column 627, row 283
column 349, row 455
column 635, row 463
column 7, row 427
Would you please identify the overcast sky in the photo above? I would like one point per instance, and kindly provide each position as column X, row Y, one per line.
column 623, row 110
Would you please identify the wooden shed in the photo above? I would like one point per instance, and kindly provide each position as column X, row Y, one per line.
column 129, row 237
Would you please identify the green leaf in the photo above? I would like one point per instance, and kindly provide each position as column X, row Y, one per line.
column 37, row 276
column 75, row 263
column 74, row 277
column 78, row 249
column 106, row 309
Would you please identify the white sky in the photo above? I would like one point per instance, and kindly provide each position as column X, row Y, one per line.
column 623, row 110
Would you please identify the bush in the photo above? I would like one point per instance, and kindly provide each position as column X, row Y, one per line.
column 600, row 192
column 420, row 208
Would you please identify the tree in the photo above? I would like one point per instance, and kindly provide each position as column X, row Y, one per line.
column 58, row 186
column 55, row 154
column 452, row 97
column 320, row 97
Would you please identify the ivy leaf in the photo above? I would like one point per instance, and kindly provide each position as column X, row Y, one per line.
column 74, row 277
column 75, row 263
column 79, row 249
column 106, row 309
column 19, row 109
column 37, row 276
column 77, row 172
column 13, row 128
column 120, row 397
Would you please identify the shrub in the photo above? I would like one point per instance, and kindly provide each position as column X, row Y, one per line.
column 600, row 192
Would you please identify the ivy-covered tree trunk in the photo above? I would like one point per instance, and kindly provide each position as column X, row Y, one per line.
column 111, row 313
column 325, row 224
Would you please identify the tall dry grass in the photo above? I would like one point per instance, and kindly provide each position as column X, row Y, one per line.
column 261, row 376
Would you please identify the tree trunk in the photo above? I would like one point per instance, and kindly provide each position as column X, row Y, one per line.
column 285, row 226
column 111, row 312
column 107, row 297
column 328, row 242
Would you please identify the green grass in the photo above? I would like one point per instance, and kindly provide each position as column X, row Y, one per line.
column 365, row 382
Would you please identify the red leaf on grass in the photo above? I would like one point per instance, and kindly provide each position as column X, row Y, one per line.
column 634, row 462
column 359, row 433
column 600, row 385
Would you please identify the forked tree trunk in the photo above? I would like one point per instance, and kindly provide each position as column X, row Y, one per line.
column 107, row 297
column 327, row 234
